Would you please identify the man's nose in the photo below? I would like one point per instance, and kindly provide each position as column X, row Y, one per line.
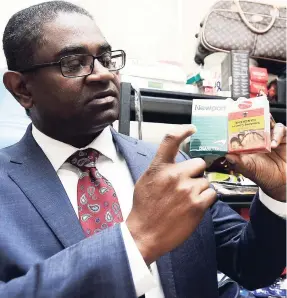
column 100, row 73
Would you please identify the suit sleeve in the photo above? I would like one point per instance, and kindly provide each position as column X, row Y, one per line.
column 95, row 267
column 252, row 253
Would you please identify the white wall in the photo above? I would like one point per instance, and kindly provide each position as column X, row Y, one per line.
column 144, row 29
column 151, row 29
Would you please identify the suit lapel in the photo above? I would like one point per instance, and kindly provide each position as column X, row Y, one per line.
column 138, row 159
column 36, row 177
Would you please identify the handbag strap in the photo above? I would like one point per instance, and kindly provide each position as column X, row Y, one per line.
column 249, row 25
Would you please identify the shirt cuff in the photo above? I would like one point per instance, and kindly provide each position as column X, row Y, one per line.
column 142, row 277
column 279, row 208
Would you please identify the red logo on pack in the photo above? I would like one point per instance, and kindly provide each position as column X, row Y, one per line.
column 245, row 105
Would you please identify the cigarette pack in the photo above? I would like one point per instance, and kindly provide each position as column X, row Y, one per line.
column 256, row 87
column 258, row 74
column 228, row 126
column 249, row 125
column 210, row 118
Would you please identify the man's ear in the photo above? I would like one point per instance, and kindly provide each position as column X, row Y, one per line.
column 16, row 84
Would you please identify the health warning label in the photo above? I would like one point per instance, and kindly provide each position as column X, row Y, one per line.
column 248, row 123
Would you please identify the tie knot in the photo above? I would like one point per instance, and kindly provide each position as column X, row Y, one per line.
column 84, row 159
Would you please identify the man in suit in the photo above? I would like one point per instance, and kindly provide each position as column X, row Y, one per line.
column 88, row 212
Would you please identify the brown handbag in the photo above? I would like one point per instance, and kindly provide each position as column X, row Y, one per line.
column 246, row 25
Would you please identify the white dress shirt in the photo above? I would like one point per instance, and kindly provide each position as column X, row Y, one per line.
column 113, row 167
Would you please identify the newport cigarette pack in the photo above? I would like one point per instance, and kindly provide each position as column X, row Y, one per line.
column 228, row 126
column 210, row 119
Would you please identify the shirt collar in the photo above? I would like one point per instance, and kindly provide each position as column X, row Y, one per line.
column 58, row 152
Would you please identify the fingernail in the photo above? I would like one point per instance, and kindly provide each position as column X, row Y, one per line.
column 230, row 159
column 274, row 143
column 192, row 126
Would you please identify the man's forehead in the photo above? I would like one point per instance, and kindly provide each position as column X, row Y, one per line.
column 70, row 30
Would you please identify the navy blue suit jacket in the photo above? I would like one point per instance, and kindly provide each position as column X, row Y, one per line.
column 44, row 253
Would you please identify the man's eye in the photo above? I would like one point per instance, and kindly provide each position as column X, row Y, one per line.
column 106, row 60
column 107, row 63
column 73, row 64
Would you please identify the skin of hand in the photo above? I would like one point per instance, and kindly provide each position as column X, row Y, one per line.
column 267, row 170
column 170, row 199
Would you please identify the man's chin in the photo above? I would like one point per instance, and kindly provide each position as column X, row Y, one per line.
column 99, row 127
column 91, row 124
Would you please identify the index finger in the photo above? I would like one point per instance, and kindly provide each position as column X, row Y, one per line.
column 278, row 135
column 169, row 146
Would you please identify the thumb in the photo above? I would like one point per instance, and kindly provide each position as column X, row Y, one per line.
column 169, row 147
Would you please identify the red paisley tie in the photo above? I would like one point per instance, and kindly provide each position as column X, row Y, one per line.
column 98, row 204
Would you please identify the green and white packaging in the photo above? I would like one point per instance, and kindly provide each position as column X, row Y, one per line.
column 210, row 118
